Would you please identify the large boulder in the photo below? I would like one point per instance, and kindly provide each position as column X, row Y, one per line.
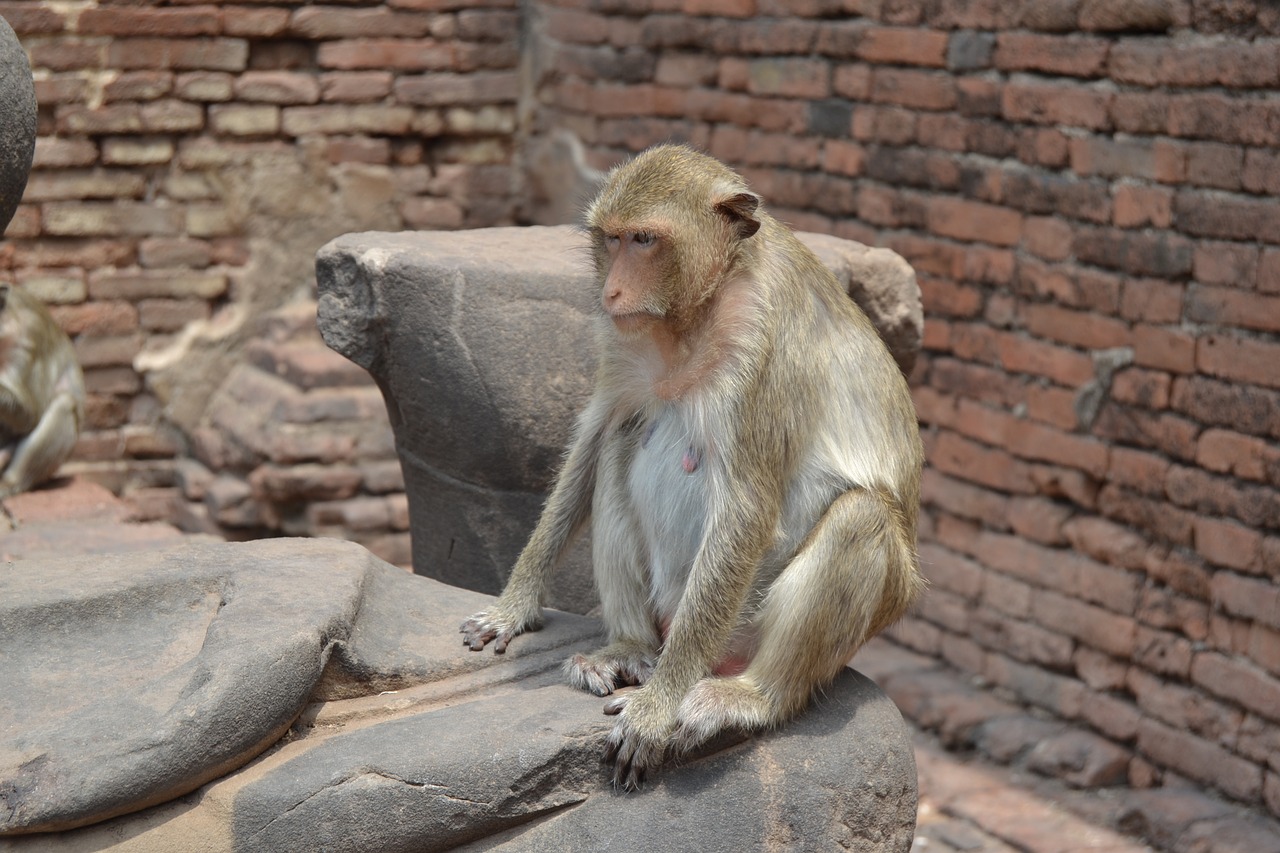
column 139, row 688
column 17, row 122
column 481, row 342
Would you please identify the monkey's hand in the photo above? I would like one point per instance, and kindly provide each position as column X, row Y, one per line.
column 646, row 722
column 499, row 623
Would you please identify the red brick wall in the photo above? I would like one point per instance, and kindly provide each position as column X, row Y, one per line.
column 1088, row 200
column 191, row 159
column 1085, row 188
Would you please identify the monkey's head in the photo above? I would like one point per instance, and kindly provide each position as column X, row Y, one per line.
column 667, row 229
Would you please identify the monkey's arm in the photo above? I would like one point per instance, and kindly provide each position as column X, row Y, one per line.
column 519, row 608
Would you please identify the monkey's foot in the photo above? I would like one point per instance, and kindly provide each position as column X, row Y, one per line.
column 716, row 704
column 638, row 742
column 616, row 665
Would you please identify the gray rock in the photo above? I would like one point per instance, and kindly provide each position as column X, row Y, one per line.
column 481, row 342
column 17, row 122
column 135, row 679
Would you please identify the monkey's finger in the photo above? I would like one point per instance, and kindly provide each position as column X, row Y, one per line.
column 500, row 645
column 615, row 705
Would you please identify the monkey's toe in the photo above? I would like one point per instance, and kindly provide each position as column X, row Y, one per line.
column 717, row 704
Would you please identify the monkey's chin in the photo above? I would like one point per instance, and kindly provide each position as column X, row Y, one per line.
column 634, row 323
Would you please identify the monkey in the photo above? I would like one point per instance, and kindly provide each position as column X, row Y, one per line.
column 41, row 393
column 749, row 462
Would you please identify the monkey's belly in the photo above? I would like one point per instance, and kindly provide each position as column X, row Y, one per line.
column 668, row 486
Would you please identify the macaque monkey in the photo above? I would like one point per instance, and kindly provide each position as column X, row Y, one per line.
column 749, row 460
column 41, row 393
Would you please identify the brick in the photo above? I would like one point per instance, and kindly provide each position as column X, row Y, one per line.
column 1076, row 57
column 1164, row 349
column 1093, row 626
column 920, row 90
column 789, row 78
column 304, row 482
column 1152, row 301
column 1137, row 387
column 1200, row 760
column 55, row 153
column 1229, row 452
column 973, row 221
column 277, row 87
column 1108, row 542
column 136, row 151
column 355, row 87
column 171, row 116
column 1214, row 495
column 1099, row 671
column 143, row 284
column 358, row 150
column 434, row 90
column 903, row 46
column 1028, row 100
column 1062, row 365
column 1232, row 264
column 379, row 54
column 1062, row 696
column 1136, row 206
column 173, row 252
column 28, row 19
column 96, row 319
column 1269, row 271
column 1162, row 652
column 107, row 351
column 255, row 23
column 1229, row 544
column 74, row 119
column 1237, row 681
column 105, row 219
column 204, row 86
column 54, row 287
column 59, row 54
column 244, row 119
column 1234, row 118
column 328, row 22
column 971, row 461
column 151, row 23
column 189, row 54
column 1239, row 359
column 138, row 86
column 1250, row 598
column 361, row 118
column 84, row 184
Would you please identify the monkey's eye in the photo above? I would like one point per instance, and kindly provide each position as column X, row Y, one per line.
column 644, row 238
column 611, row 241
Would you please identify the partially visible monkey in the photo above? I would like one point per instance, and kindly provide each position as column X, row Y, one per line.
column 41, row 393
column 750, row 462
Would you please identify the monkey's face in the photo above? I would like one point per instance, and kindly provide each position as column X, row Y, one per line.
column 635, row 265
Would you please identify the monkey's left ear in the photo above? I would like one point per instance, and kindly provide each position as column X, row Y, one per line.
column 740, row 208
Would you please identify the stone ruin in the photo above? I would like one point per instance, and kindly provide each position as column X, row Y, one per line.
column 304, row 694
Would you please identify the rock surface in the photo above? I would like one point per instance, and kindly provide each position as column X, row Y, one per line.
column 482, row 344
column 17, row 122
column 136, row 680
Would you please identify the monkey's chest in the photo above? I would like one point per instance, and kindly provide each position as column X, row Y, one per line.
column 670, row 495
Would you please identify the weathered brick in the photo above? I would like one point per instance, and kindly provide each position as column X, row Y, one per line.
column 789, row 78
column 136, row 151
column 244, row 119
column 903, row 46
column 170, row 22
column 355, row 87
column 435, row 90
column 255, row 23
column 378, row 54
column 96, row 319
column 921, row 90
column 1238, row 358
column 1030, row 100
column 142, row 284
column 173, row 252
column 1238, row 681
column 1229, row 452
column 362, row 118
column 1082, row 56
column 1200, row 760
column 84, row 184
column 105, row 219
column 277, row 87
column 191, row 54
column 204, row 86
column 328, row 22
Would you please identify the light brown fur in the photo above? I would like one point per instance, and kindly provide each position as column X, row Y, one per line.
column 41, row 393
column 750, row 462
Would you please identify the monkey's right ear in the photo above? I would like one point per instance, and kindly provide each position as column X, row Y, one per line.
column 740, row 208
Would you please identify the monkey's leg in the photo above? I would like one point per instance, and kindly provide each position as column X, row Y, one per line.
column 37, row 456
column 855, row 574
column 622, row 581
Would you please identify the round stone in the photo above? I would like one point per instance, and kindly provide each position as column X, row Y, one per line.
column 17, row 122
